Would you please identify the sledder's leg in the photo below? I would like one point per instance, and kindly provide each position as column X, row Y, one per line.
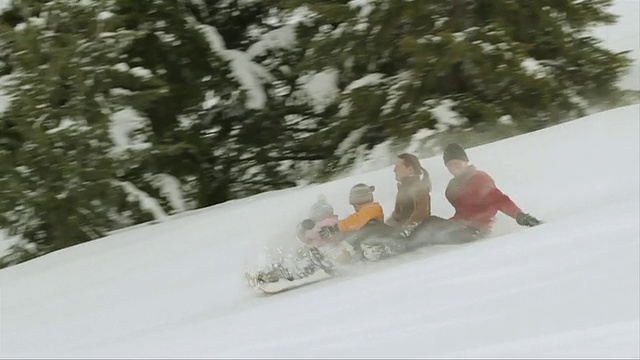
column 438, row 231
column 273, row 273
column 378, row 247
column 321, row 261
column 305, row 264
column 372, row 235
column 376, row 241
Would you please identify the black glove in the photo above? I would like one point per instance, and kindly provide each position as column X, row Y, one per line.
column 527, row 220
column 328, row 231
column 303, row 227
column 307, row 224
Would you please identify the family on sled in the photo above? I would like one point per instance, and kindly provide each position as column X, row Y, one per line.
column 367, row 235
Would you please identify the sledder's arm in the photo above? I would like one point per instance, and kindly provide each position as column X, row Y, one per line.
column 360, row 218
column 355, row 221
column 505, row 204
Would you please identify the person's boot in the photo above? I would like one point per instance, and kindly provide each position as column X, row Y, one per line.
column 276, row 273
column 321, row 261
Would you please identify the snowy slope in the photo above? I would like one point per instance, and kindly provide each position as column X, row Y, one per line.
column 568, row 288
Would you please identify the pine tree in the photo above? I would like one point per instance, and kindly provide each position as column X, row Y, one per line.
column 223, row 128
column 61, row 182
column 186, row 139
column 113, row 100
column 408, row 66
column 271, row 137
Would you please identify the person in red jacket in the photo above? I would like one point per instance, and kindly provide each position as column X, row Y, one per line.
column 476, row 200
column 475, row 196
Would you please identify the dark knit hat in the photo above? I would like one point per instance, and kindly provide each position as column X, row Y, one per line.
column 361, row 194
column 454, row 151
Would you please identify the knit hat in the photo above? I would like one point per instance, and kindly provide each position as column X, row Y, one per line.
column 320, row 209
column 361, row 194
column 454, row 151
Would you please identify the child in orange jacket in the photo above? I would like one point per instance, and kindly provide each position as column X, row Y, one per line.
column 366, row 212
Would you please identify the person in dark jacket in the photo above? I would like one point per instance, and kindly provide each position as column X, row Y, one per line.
column 413, row 200
column 476, row 200
column 412, row 207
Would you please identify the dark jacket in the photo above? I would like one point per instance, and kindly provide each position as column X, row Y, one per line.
column 477, row 200
column 413, row 202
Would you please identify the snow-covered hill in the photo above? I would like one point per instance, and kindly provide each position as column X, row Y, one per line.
column 567, row 288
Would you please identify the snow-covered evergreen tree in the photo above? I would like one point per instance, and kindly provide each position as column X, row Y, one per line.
column 380, row 70
column 61, row 175
column 124, row 111
column 222, row 129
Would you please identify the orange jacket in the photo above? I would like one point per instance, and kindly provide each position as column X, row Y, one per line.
column 361, row 217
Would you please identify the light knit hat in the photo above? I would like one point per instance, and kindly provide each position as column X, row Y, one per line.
column 320, row 209
column 361, row 194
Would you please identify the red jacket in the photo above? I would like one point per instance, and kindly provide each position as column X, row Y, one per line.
column 477, row 200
